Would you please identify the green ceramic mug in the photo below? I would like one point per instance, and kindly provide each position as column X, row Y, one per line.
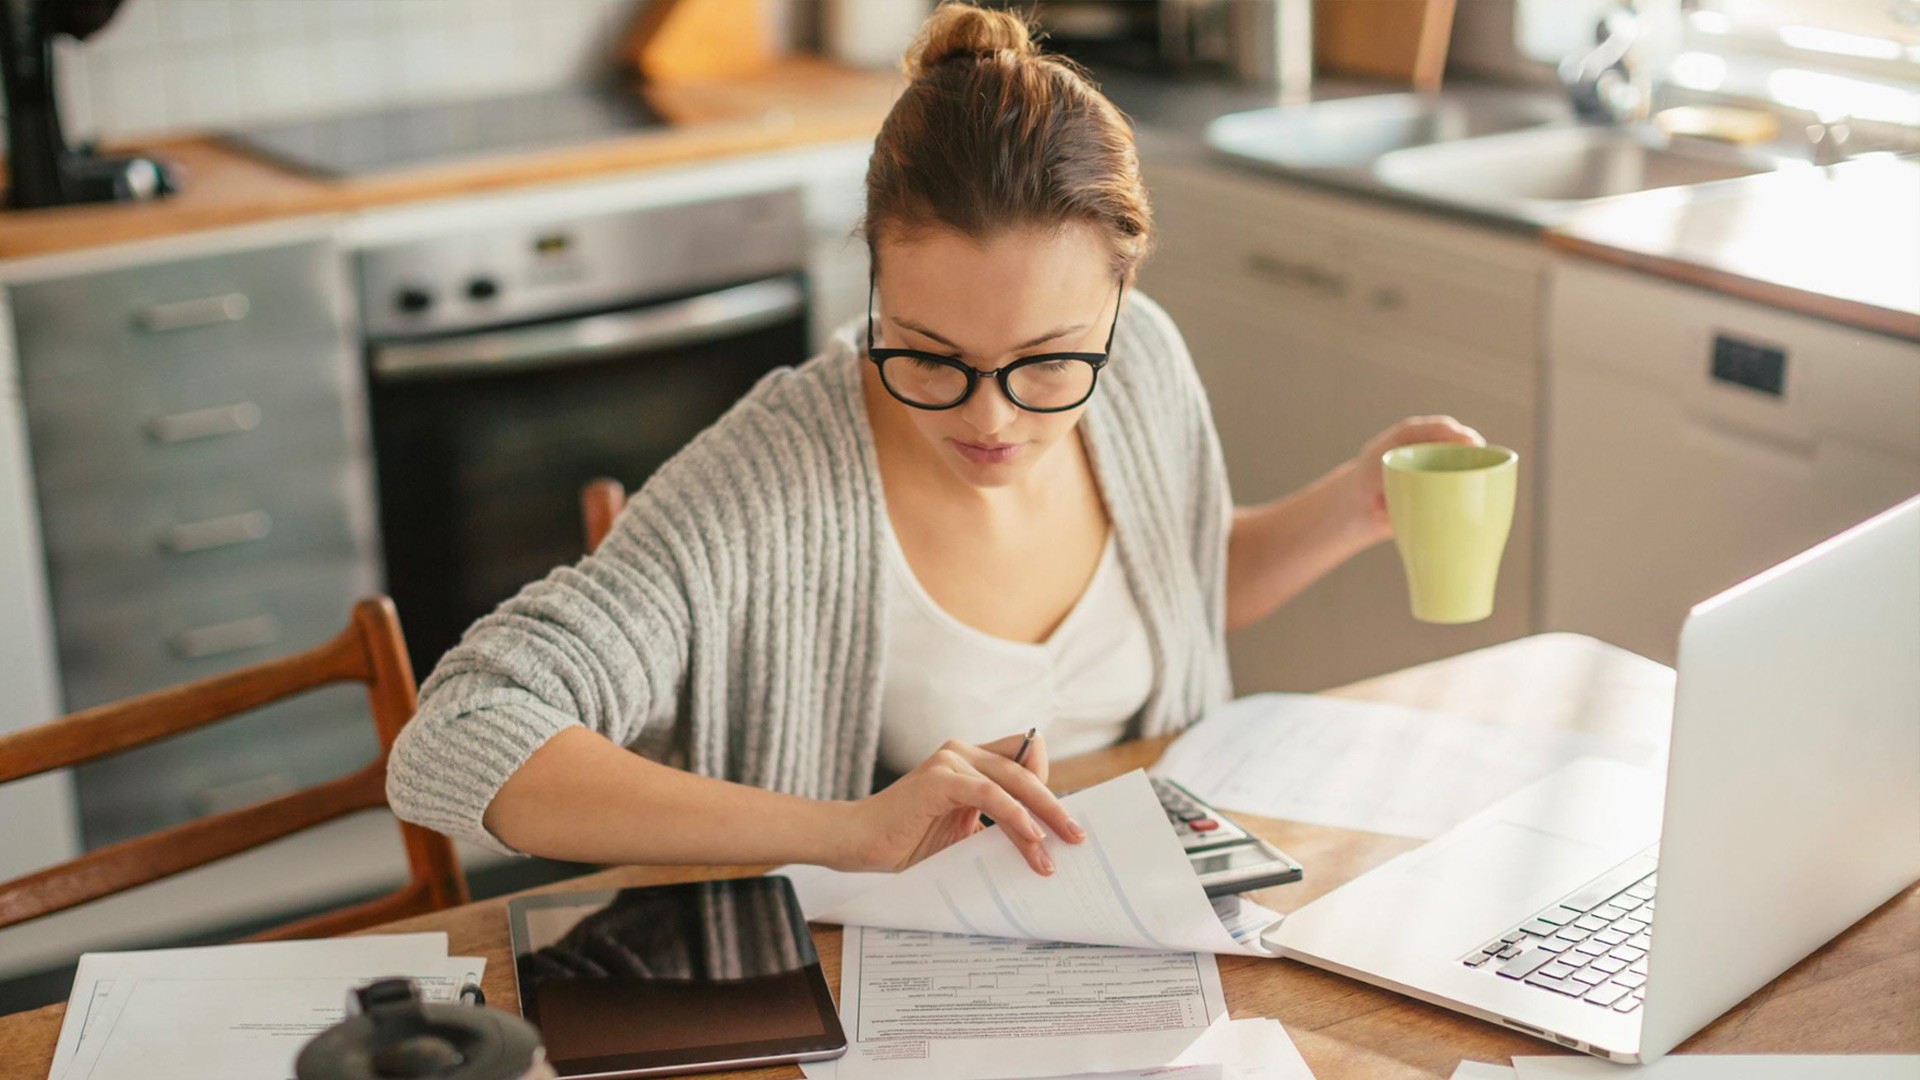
column 1452, row 506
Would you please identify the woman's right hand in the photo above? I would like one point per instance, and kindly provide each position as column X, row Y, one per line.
column 940, row 802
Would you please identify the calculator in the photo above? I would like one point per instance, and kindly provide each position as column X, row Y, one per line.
column 1226, row 858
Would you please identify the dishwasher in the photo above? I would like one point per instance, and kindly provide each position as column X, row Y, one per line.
column 508, row 367
column 1700, row 440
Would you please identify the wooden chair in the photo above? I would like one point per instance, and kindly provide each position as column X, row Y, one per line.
column 372, row 651
column 600, row 502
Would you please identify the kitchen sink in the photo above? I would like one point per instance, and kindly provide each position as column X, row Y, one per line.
column 1512, row 156
column 1350, row 133
column 1542, row 174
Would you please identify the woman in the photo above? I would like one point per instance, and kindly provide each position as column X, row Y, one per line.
column 1009, row 512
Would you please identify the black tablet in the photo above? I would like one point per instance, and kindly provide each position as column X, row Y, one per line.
column 673, row 978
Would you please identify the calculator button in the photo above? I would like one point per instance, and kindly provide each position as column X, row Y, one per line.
column 1203, row 825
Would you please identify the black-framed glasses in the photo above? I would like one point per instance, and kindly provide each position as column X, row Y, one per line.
column 1042, row 383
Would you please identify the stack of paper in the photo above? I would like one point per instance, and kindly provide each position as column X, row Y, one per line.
column 1128, row 884
column 232, row 1012
column 1368, row 766
column 970, row 966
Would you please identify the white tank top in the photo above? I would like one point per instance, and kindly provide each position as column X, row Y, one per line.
column 947, row 680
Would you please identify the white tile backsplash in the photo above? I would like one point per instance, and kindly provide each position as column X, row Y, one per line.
column 201, row 81
column 175, row 65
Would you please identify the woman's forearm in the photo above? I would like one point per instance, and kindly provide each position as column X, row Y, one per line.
column 1279, row 548
column 582, row 798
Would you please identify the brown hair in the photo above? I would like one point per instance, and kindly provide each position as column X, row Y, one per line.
column 992, row 134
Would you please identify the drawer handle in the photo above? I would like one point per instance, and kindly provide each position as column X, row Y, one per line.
column 247, row 528
column 189, row 314
column 1283, row 272
column 227, row 637
column 205, row 423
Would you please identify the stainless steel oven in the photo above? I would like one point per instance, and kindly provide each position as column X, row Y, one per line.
column 507, row 368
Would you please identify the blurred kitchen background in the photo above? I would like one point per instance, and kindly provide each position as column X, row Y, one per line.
column 309, row 299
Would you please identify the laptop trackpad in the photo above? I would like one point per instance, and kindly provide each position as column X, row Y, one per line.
column 1500, row 857
column 1438, row 901
column 1486, row 875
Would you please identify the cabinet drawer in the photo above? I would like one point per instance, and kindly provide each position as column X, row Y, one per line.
column 1419, row 294
column 271, row 751
column 220, row 313
column 159, row 433
column 106, row 543
column 1265, row 257
column 153, row 639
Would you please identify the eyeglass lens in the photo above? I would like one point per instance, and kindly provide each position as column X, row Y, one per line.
column 1048, row 384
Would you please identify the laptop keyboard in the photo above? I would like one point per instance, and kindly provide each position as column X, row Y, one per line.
column 1591, row 945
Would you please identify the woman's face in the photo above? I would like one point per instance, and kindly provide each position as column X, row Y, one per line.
column 989, row 303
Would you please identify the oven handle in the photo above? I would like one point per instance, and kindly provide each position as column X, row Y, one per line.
column 696, row 319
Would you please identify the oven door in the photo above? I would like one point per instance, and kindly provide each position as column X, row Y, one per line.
column 484, row 439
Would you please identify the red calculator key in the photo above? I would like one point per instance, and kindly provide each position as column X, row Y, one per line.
column 1203, row 825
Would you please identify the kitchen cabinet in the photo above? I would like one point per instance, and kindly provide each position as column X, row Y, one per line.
column 1694, row 439
column 202, row 477
column 1315, row 321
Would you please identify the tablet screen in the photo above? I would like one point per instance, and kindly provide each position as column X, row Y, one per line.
column 671, row 977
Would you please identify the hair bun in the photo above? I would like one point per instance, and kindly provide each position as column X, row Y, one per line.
column 963, row 30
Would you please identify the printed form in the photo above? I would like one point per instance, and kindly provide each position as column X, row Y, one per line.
column 969, row 964
column 1128, row 884
column 935, row 1006
column 232, row 1012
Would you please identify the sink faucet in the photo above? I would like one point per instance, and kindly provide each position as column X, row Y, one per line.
column 1599, row 81
column 1827, row 139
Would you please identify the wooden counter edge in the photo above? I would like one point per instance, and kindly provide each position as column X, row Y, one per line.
column 714, row 120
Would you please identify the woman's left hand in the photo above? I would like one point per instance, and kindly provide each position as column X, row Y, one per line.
column 1366, row 479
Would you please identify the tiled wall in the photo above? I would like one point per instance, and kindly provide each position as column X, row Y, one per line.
column 165, row 65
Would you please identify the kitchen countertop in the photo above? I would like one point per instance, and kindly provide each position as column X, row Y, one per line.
column 799, row 101
column 1840, row 243
column 1837, row 243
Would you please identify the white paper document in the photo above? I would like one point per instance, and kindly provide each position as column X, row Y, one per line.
column 919, row 1005
column 1480, row 1070
column 1229, row 1050
column 1728, row 1067
column 821, row 890
column 237, row 1011
column 1368, row 766
column 1128, row 884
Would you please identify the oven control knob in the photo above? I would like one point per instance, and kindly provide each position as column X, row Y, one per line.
column 482, row 288
column 413, row 299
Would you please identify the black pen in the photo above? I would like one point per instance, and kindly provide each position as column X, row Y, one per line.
column 1026, row 744
column 1019, row 756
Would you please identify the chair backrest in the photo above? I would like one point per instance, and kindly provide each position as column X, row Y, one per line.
column 600, row 502
column 371, row 650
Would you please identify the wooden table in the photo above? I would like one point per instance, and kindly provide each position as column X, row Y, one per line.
column 1860, row 993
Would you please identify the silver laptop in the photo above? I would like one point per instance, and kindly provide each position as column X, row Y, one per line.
column 1583, row 911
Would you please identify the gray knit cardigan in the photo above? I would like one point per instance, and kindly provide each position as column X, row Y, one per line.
column 732, row 623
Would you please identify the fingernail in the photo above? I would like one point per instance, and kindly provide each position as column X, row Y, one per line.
column 1078, row 832
column 1046, row 864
